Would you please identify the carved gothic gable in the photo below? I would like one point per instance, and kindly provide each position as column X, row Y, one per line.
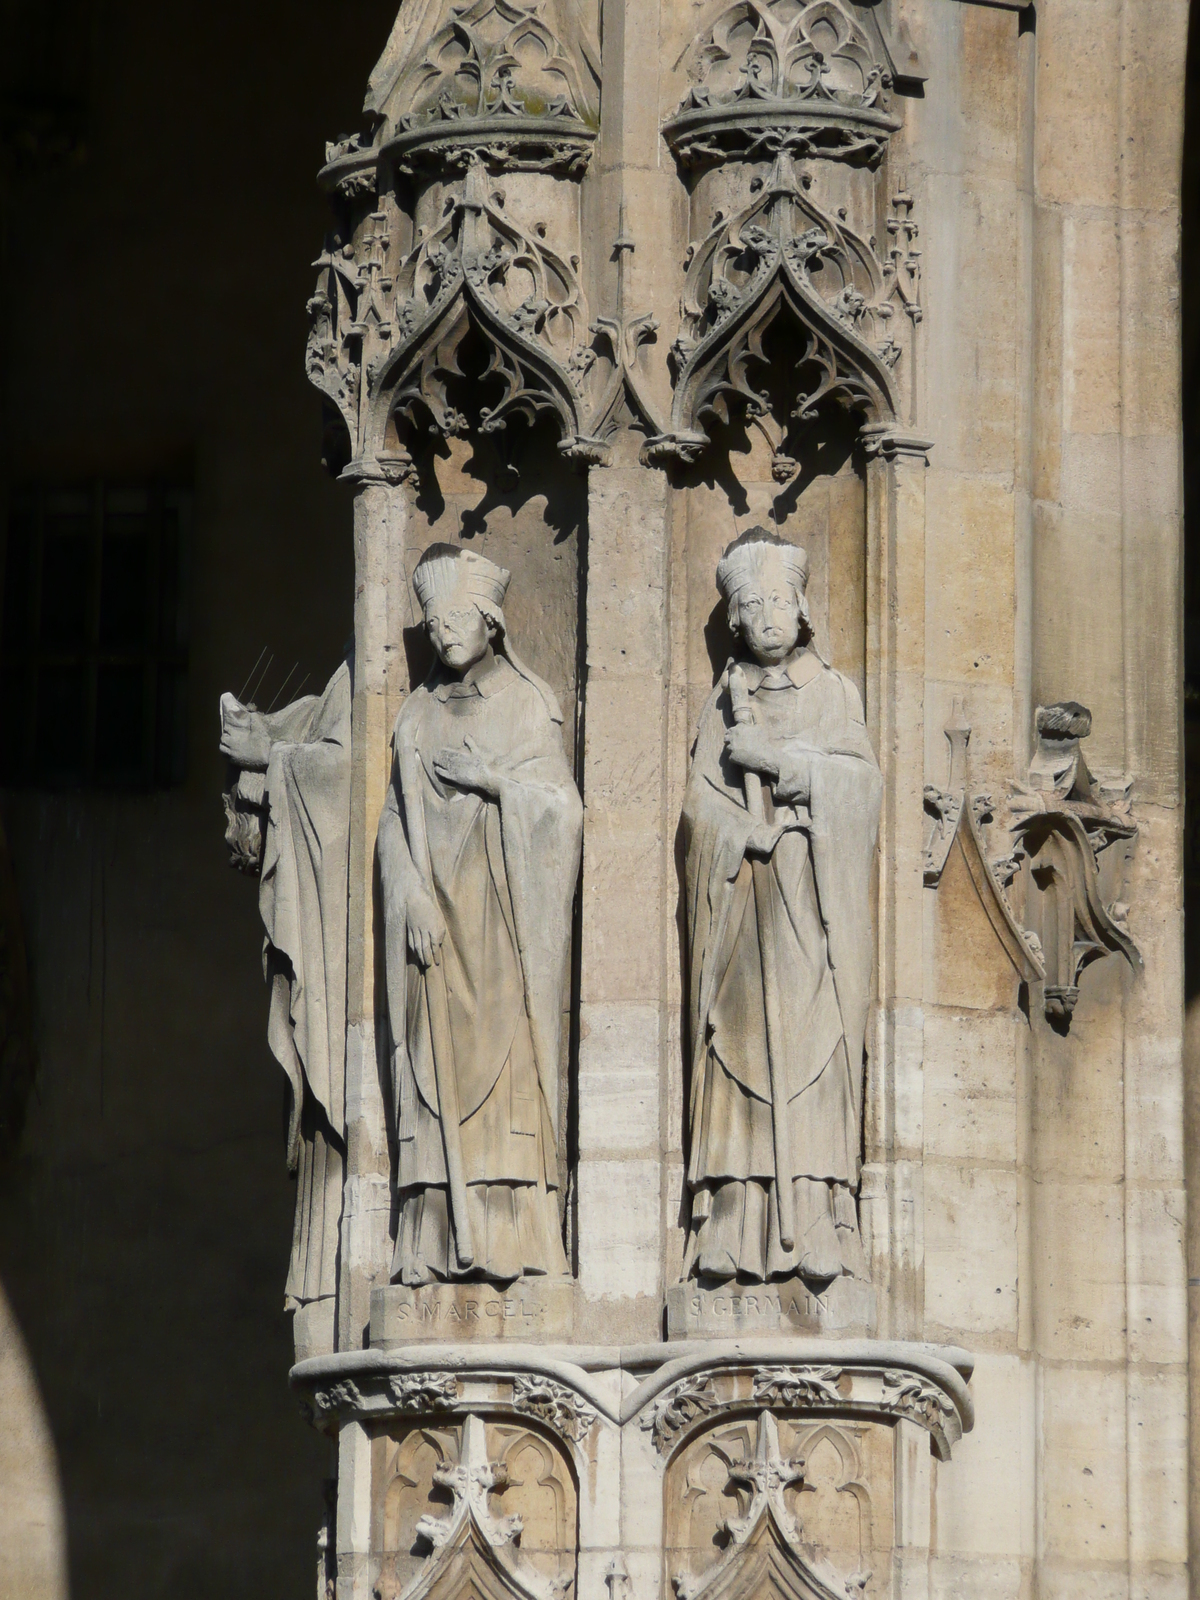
column 782, row 258
column 481, row 1546
column 479, row 271
column 766, row 1555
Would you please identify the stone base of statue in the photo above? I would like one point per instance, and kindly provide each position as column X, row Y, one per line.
column 529, row 1311
column 724, row 1311
column 314, row 1328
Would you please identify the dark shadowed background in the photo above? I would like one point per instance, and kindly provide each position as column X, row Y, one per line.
column 159, row 216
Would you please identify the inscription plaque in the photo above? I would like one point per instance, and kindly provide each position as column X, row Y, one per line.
column 530, row 1310
column 847, row 1306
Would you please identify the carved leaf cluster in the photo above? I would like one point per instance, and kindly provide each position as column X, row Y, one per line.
column 554, row 1404
column 677, row 1408
column 423, row 1391
column 783, row 1388
column 910, row 1396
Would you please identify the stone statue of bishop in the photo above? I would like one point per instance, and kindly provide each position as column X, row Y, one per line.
column 479, row 848
column 780, row 820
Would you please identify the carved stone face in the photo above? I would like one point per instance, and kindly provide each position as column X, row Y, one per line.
column 457, row 629
column 768, row 612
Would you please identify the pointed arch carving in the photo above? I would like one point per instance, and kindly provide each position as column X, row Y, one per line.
column 766, row 1557
column 478, row 271
column 475, row 1549
column 782, row 257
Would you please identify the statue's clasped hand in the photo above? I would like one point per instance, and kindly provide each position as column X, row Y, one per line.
column 751, row 750
column 466, row 769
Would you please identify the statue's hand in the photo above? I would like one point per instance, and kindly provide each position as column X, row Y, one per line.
column 426, row 928
column 748, row 747
column 244, row 736
column 766, row 835
column 466, row 769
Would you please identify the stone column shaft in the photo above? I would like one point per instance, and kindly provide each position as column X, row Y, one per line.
column 381, row 609
column 895, row 701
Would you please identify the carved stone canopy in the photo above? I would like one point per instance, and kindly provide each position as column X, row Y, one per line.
column 783, row 258
column 479, row 271
column 812, row 77
column 512, row 83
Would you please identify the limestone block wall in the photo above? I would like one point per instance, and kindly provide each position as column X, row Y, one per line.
column 927, row 330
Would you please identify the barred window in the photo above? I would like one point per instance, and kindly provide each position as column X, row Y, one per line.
column 93, row 652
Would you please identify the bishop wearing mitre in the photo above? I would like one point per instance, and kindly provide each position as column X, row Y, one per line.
column 780, row 821
column 479, row 848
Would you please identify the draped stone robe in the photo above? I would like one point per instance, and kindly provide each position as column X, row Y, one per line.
column 302, row 901
column 502, row 872
column 819, row 884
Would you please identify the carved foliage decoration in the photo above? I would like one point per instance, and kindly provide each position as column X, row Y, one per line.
column 514, row 83
column 554, row 1404
column 808, row 76
column 677, row 1408
column 782, row 256
column 685, row 1408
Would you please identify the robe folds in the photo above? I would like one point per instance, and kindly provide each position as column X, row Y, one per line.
column 302, row 901
column 819, row 922
column 502, row 872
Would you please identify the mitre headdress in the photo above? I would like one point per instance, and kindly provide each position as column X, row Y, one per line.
column 446, row 567
column 742, row 562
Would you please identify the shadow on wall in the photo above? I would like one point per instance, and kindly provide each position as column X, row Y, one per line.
column 157, row 186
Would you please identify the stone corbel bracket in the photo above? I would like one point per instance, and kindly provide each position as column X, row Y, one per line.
column 1062, row 864
column 684, row 1387
column 1072, row 835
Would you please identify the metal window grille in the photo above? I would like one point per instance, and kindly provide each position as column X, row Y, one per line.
column 93, row 648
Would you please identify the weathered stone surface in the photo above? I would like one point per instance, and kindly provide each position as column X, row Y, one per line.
column 839, row 1044
column 736, row 1310
column 537, row 1309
